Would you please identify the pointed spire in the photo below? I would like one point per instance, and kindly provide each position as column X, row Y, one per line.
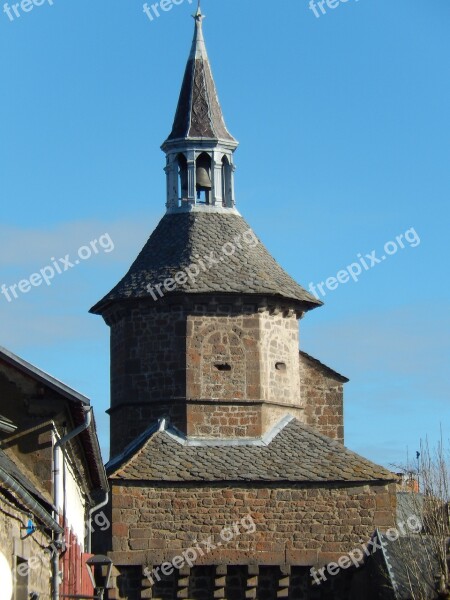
column 199, row 114
column 198, row 50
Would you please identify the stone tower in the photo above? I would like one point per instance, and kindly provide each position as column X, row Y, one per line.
column 204, row 326
column 216, row 417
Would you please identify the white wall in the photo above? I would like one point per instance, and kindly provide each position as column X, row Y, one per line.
column 73, row 497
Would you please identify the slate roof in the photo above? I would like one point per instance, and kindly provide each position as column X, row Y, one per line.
column 184, row 239
column 296, row 453
column 411, row 564
column 198, row 113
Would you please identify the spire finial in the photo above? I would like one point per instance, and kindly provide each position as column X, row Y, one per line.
column 198, row 45
column 199, row 16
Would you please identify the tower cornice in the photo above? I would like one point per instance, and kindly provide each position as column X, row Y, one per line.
column 181, row 144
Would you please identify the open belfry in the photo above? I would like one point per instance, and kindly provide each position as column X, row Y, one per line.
column 228, row 472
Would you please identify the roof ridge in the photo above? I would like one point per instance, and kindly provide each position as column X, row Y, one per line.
column 324, row 366
column 264, row 440
column 30, row 369
column 125, row 457
column 296, row 454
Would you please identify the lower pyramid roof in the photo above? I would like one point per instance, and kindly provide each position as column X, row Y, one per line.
column 242, row 264
column 292, row 451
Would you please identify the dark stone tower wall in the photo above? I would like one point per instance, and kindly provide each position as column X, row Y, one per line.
column 148, row 369
column 217, row 366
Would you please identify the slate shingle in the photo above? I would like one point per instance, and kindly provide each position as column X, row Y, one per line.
column 199, row 114
column 185, row 239
column 297, row 454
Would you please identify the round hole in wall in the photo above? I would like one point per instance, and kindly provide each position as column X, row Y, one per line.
column 280, row 366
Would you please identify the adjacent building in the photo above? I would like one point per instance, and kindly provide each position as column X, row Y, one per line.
column 52, row 483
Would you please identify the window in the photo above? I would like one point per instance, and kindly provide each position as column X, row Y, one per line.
column 223, row 366
column 182, row 179
column 203, row 178
column 226, row 182
column 22, row 571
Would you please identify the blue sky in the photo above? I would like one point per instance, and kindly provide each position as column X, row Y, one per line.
column 344, row 132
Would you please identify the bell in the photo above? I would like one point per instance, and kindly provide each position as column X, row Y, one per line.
column 203, row 179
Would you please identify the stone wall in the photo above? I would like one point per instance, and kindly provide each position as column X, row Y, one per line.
column 32, row 444
column 248, row 365
column 164, row 354
column 148, row 370
column 36, row 577
column 148, row 355
column 322, row 393
column 279, row 357
column 223, row 357
column 224, row 420
column 294, row 525
column 174, row 360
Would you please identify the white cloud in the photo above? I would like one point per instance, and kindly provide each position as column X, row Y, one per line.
column 35, row 247
column 404, row 341
column 47, row 315
column 397, row 362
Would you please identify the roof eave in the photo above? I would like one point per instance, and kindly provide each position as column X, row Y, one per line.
column 77, row 404
column 302, row 305
column 230, row 143
column 36, row 373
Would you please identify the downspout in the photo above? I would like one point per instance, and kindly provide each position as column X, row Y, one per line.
column 35, row 507
column 56, row 495
column 91, row 512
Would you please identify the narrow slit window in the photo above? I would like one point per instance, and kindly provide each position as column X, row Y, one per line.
column 223, row 366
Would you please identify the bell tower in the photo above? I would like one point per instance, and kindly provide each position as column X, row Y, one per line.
column 199, row 149
column 217, row 419
column 204, row 326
